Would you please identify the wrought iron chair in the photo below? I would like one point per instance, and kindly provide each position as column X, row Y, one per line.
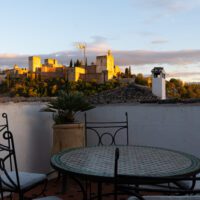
column 167, row 198
column 48, row 198
column 190, row 184
column 12, row 181
column 107, row 130
column 124, row 185
column 100, row 131
column 118, row 184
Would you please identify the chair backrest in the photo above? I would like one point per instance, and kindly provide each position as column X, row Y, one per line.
column 107, row 133
column 129, row 185
column 116, row 161
column 8, row 160
column 115, row 172
column 4, row 125
column 116, row 181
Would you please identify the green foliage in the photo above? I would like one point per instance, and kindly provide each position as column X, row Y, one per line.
column 50, row 87
column 66, row 105
column 127, row 73
column 177, row 89
column 71, row 63
column 77, row 63
column 141, row 80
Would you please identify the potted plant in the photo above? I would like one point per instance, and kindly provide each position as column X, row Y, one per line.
column 67, row 132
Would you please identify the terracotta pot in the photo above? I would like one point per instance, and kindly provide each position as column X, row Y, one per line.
column 68, row 136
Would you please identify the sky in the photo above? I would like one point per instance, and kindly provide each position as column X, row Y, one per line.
column 141, row 33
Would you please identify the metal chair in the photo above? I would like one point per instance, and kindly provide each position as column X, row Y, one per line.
column 117, row 189
column 12, row 181
column 167, row 198
column 48, row 198
column 190, row 184
column 124, row 184
column 104, row 131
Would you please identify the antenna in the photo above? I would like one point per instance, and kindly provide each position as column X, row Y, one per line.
column 82, row 46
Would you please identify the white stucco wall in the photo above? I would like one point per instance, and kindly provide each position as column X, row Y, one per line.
column 159, row 87
column 32, row 134
column 170, row 126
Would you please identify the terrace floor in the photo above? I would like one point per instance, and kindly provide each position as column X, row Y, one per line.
column 73, row 192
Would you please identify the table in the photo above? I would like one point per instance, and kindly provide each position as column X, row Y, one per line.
column 97, row 163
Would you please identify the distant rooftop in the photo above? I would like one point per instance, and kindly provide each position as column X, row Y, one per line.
column 131, row 93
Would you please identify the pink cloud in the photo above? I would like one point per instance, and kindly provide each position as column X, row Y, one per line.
column 136, row 57
column 6, row 55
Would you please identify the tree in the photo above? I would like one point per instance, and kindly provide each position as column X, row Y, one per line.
column 77, row 63
column 71, row 63
column 141, row 80
column 129, row 71
column 126, row 72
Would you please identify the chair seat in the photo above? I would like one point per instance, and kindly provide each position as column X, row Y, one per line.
column 26, row 179
column 188, row 184
column 165, row 187
column 197, row 197
column 48, row 198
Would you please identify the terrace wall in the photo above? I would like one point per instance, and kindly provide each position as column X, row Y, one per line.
column 174, row 126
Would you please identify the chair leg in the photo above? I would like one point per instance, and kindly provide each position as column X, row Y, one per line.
column 90, row 189
column 99, row 190
column 64, row 184
column 21, row 196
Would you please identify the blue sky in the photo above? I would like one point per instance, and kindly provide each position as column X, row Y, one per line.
column 141, row 33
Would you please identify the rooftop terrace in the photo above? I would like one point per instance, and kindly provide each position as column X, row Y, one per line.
column 173, row 126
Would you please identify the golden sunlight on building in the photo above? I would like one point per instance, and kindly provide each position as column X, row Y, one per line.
column 50, row 68
column 19, row 71
column 34, row 63
column 103, row 71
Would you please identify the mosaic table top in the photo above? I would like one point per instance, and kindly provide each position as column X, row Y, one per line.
column 137, row 161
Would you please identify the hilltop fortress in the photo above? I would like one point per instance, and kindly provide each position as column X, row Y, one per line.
column 104, row 70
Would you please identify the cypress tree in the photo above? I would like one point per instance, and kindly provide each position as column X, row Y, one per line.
column 71, row 63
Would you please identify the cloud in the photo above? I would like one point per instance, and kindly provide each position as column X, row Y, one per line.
column 185, row 76
column 6, row 55
column 168, row 5
column 136, row 57
column 159, row 9
column 159, row 41
column 142, row 57
column 98, row 44
column 183, row 64
column 8, row 60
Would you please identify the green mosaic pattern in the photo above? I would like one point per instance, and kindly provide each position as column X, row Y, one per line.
column 133, row 161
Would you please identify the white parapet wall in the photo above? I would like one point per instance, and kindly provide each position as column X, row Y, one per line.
column 174, row 126
column 32, row 131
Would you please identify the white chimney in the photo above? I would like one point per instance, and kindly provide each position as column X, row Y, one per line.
column 158, row 82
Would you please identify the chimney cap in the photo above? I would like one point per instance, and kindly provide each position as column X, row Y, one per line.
column 158, row 70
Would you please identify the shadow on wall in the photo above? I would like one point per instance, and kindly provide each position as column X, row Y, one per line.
column 32, row 132
column 39, row 139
